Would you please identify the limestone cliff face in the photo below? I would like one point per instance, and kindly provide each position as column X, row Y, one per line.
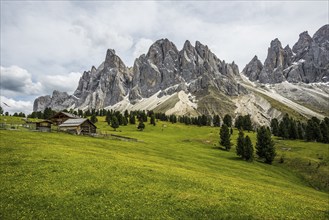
column 307, row 61
column 104, row 86
column 58, row 101
column 253, row 69
column 163, row 69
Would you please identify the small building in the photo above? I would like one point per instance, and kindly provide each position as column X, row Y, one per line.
column 61, row 117
column 78, row 126
column 44, row 125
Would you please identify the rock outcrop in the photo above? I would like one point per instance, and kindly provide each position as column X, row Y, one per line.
column 104, row 86
column 253, row 69
column 307, row 61
column 58, row 101
column 163, row 69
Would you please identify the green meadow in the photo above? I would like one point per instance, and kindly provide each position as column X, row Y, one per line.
column 173, row 171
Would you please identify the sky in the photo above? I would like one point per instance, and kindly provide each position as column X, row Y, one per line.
column 47, row 45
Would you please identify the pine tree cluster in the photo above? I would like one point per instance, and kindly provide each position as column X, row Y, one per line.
column 244, row 147
column 312, row 130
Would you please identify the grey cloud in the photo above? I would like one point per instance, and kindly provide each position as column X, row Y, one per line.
column 18, row 80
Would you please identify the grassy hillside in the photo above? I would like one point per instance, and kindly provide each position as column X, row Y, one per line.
column 172, row 172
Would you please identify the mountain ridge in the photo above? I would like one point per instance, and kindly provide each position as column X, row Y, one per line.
column 199, row 81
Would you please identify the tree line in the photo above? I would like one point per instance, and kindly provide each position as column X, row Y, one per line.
column 313, row 130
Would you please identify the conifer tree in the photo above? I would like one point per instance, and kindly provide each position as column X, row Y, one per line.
column 325, row 132
column 141, row 125
column 293, row 133
column 124, row 121
column 152, row 121
column 132, row 119
column 216, row 121
column 300, row 130
column 265, row 145
column 248, row 152
column 240, row 143
column 227, row 120
column 275, row 126
column 283, row 130
column 93, row 119
column 126, row 114
column 108, row 117
column 247, row 125
column 225, row 137
column 313, row 131
column 114, row 123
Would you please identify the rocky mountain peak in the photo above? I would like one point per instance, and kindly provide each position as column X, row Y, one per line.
column 93, row 70
column 302, row 44
column 188, row 46
column 287, row 48
column 253, row 69
column 307, row 61
column 113, row 61
column 276, row 44
column 322, row 35
column 274, row 64
column 202, row 50
column 160, row 50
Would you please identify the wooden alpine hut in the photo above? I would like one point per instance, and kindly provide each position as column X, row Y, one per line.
column 44, row 125
column 78, row 126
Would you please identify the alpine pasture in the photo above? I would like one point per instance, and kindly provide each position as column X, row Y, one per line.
column 172, row 171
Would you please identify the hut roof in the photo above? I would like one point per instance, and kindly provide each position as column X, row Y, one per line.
column 66, row 114
column 75, row 122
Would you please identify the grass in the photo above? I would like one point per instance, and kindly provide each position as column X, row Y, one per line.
column 172, row 172
column 209, row 103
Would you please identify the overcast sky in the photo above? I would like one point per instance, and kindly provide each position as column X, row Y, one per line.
column 46, row 45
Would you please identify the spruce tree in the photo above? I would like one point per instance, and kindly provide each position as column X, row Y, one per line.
column 275, row 126
column 239, row 122
column 93, row 119
column 108, row 117
column 114, row 123
column 126, row 114
column 227, row 120
column 124, row 121
column 313, row 131
column 152, row 121
column 300, row 130
column 141, row 125
column 247, row 125
column 240, row 143
column 283, row 130
column 293, row 133
column 132, row 119
column 248, row 152
column 225, row 137
column 325, row 132
column 216, row 121
column 265, row 146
